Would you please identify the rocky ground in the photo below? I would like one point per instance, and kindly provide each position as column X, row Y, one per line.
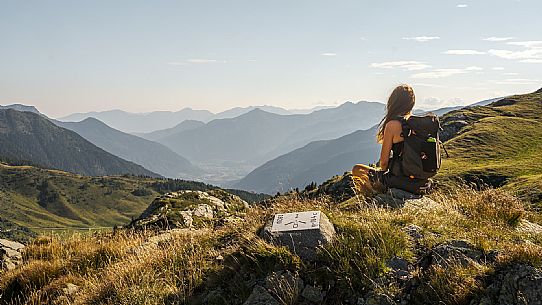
column 10, row 254
column 458, row 246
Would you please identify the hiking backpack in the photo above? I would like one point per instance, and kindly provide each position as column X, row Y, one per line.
column 420, row 157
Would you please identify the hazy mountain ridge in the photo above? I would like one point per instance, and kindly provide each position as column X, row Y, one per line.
column 151, row 155
column 257, row 136
column 160, row 134
column 319, row 160
column 31, row 137
column 444, row 110
column 141, row 123
column 315, row 162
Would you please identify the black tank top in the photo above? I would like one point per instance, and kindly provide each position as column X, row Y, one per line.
column 397, row 149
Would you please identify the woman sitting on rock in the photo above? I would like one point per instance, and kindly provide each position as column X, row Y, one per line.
column 391, row 135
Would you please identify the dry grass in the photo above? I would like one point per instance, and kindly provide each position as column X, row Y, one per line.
column 109, row 269
column 493, row 206
column 140, row 268
column 454, row 285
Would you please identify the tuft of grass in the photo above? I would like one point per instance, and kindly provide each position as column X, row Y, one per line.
column 526, row 253
column 363, row 246
column 452, row 285
column 495, row 206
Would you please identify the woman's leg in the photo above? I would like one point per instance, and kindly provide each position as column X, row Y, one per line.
column 361, row 170
column 367, row 178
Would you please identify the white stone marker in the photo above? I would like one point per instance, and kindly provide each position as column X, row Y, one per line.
column 296, row 221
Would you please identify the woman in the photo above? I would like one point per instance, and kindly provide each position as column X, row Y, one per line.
column 400, row 104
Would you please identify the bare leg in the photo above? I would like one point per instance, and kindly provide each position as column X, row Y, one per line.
column 361, row 170
column 361, row 175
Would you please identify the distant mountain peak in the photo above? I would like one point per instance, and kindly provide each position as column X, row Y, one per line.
column 21, row 107
column 92, row 120
column 257, row 111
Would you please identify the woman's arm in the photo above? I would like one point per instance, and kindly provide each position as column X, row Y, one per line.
column 392, row 129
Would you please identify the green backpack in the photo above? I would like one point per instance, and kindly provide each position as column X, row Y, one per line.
column 420, row 157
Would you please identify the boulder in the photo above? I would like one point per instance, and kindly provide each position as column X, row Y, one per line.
column 10, row 254
column 399, row 268
column 204, row 211
column 515, row 285
column 70, row 289
column 313, row 294
column 376, row 298
column 415, row 232
column 187, row 219
column 303, row 232
column 452, row 127
column 396, row 198
column 338, row 188
column 181, row 209
column 260, row 296
column 456, row 251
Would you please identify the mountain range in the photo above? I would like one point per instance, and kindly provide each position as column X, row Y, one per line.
column 292, row 149
column 258, row 136
column 318, row 160
column 315, row 162
column 30, row 137
column 151, row 155
column 140, row 123
column 163, row 133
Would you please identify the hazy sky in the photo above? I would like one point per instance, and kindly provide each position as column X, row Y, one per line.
column 76, row 56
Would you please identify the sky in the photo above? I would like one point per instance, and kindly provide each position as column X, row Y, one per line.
column 141, row 56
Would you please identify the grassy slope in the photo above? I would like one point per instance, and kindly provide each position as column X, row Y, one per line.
column 501, row 144
column 82, row 201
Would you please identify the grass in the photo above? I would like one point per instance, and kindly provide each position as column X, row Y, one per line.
column 49, row 199
column 224, row 263
column 500, row 146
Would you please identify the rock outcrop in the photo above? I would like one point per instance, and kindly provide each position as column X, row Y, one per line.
column 12, row 231
column 189, row 209
column 284, row 287
column 338, row 188
column 10, row 254
column 515, row 285
column 455, row 252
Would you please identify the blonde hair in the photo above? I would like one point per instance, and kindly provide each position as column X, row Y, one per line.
column 400, row 103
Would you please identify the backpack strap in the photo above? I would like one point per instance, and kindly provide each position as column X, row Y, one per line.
column 406, row 130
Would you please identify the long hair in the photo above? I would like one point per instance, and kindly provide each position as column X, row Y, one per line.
column 400, row 103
